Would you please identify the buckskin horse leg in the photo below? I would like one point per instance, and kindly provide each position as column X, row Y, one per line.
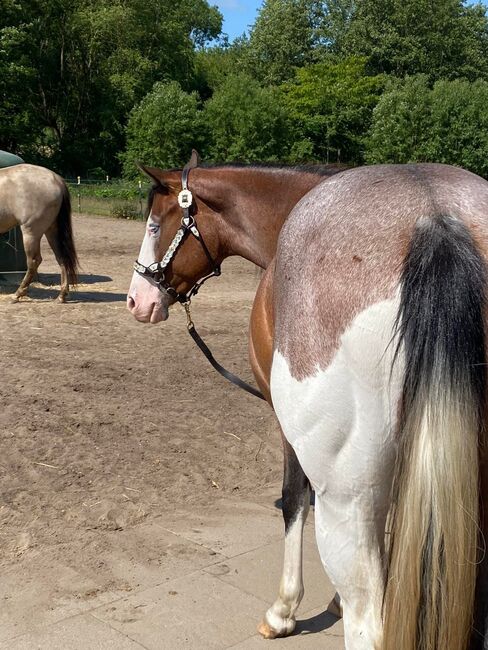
column 279, row 620
column 51, row 236
column 32, row 247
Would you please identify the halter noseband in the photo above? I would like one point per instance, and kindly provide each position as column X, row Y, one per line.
column 156, row 271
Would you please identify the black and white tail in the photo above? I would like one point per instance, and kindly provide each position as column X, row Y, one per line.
column 434, row 524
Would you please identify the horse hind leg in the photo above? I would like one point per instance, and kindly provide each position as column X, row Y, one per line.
column 32, row 247
column 279, row 620
column 51, row 235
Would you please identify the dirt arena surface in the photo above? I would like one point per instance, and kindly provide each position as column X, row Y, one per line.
column 106, row 422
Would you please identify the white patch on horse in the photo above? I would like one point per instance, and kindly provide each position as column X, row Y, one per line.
column 341, row 423
column 145, row 300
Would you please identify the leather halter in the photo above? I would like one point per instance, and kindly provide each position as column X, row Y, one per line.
column 156, row 271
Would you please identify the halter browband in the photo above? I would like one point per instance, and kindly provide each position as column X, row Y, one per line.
column 156, row 271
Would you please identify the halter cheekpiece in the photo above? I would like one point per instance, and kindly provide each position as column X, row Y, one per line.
column 156, row 271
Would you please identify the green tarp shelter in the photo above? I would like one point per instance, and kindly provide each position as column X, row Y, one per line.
column 12, row 257
column 9, row 159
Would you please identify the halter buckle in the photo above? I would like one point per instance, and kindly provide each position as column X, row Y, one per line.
column 185, row 199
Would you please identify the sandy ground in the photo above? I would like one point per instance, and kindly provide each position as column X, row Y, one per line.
column 106, row 422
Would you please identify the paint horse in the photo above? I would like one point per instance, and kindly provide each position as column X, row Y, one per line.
column 368, row 337
column 38, row 200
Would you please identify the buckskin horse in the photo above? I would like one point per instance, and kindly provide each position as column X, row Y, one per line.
column 367, row 337
column 38, row 200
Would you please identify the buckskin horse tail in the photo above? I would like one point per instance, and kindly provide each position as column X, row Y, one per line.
column 434, row 530
column 64, row 237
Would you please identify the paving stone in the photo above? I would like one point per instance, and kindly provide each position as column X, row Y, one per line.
column 199, row 612
column 29, row 601
column 259, row 572
column 77, row 633
column 147, row 555
column 309, row 641
column 229, row 527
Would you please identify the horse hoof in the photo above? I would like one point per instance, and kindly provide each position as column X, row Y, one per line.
column 268, row 632
column 335, row 607
column 61, row 298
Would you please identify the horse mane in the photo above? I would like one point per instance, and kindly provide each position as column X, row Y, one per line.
column 330, row 169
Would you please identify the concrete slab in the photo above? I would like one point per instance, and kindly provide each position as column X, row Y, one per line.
column 310, row 641
column 258, row 572
column 77, row 633
column 147, row 555
column 197, row 611
column 229, row 527
column 28, row 601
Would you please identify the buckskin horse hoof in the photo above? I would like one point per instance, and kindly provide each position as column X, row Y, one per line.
column 267, row 632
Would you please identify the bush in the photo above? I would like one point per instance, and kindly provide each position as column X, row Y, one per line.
column 246, row 122
column 162, row 129
column 126, row 211
column 447, row 123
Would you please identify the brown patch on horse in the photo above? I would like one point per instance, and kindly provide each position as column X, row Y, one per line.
column 342, row 248
column 261, row 332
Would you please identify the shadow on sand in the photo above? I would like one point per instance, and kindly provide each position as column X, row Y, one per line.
column 46, row 287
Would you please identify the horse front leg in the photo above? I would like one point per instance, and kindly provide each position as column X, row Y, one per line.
column 279, row 620
column 32, row 247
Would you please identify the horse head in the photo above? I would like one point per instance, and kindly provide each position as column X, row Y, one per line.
column 182, row 245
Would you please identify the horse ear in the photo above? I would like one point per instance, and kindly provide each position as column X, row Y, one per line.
column 160, row 178
column 153, row 172
column 195, row 159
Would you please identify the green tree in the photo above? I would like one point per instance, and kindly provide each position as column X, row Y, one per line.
column 447, row 123
column 163, row 128
column 213, row 65
column 88, row 63
column 286, row 35
column 17, row 123
column 443, row 39
column 246, row 122
column 331, row 106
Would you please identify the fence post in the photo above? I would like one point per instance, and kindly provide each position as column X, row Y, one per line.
column 79, row 195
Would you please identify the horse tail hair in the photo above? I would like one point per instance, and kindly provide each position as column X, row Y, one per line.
column 64, row 237
column 434, row 530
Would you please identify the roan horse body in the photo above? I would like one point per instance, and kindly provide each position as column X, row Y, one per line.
column 38, row 200
column 368, row 338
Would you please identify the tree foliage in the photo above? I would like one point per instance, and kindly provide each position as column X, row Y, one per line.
column 96, row 84
column 447, row 123
column 331, row 105
column 163, row 128
column 88, row 63
column 246, row 122
column 443, row 39
column 286, row 35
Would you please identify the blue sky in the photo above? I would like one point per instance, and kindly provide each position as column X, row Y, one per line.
column 238, row 15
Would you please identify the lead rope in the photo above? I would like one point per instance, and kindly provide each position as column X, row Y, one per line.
column 234, row 379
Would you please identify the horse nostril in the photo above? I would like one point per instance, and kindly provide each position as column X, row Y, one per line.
column 131, row 303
